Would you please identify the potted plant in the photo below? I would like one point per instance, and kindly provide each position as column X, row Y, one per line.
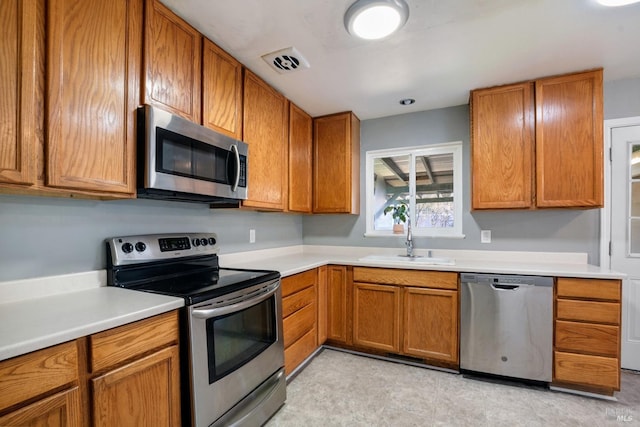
column 399, row 214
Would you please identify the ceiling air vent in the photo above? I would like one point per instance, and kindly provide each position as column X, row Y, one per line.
column 286, row 61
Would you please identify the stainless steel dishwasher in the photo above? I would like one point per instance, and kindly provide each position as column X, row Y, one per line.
column 506, row 325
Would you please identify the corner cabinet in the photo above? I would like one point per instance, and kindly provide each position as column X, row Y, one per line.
column 265, row 131
column 172, row 62
column 300, row 160
column 336, row 164
column 339, row 304
column 538, row 144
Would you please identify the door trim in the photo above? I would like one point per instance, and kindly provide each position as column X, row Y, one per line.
column 605, row 214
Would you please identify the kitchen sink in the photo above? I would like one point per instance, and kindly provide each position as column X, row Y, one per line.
column 403, row 259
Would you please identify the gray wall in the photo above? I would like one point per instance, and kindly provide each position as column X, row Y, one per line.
column 540, row 230
column 42, row 236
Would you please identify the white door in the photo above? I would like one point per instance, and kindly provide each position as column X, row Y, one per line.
column 625, row 234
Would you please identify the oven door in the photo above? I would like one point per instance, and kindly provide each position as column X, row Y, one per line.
column 236, row 348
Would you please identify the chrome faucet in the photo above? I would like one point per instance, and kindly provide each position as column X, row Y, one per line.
column 409, row 242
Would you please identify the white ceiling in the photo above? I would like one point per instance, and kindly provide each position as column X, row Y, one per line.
column 447, row 48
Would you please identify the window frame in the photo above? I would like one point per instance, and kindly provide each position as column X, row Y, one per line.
column 454, row 148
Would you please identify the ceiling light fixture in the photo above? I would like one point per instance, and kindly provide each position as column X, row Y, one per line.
column 375, row 19
column 614, row 3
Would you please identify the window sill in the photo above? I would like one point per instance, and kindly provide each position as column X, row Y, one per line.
column 415, row 235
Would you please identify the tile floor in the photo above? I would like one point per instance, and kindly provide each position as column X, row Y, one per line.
column 341, row 389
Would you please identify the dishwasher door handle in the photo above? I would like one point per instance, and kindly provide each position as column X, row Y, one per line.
column 501, row 287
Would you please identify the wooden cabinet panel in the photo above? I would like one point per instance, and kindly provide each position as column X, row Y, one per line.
column 221, row 91
column 115, row 346
column 589, row 288
column 336, row 164
column 59, row 410
column 569, row 150
column 502, row 146
column 588, row 311
column 26, row 377
column 93, row 90
column 587, row 338
column 297, row 352
column 265, row 130
column 172, row 62
column 587, row 370
column 322, row 305
column 390, row 276
column 339, row 304
column 298, row 324
column 431, row 324
column 300, row 160
column 297, row 282
column 19, row 103
column 297, row 301
column 154, row 382
column 376, row 316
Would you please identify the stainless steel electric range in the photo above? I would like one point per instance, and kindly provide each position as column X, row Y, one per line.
column 232, row 344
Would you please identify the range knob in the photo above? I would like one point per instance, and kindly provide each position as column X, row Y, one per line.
column 127, row 248
column 196, row 242
column 212, row 241
column 140, row 247
column 203, row 242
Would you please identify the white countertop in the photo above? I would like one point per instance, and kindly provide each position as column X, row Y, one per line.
column 72, row 306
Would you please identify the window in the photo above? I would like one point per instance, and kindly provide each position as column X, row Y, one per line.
column 428, row 180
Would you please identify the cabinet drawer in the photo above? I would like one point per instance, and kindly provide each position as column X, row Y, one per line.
column 587, row 338
column 28, row 376
column 589, row 311
column 299, row 350
column 586, row 370
column 418, row 278
column 298, row 324
column 117, row 345
column 297, row 282
column 589, row 288
column 295, row 302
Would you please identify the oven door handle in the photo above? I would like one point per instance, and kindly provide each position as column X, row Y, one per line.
column 226, row 309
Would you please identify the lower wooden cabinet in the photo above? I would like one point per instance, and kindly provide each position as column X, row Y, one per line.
column 126, row 376
column 339, row 304
column 400, row 314
column 587, row 334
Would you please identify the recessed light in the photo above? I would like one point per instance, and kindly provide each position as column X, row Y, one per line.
column 614, row 3
column 407, row 101
column 375, row 19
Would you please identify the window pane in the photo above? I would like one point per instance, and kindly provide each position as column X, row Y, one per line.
column 390, row 187
column 635, row 199
column 434, row 191
column 634, row 236
column 635, row 161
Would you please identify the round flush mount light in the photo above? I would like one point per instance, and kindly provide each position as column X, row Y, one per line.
column 614, row 3
column 375, row 19
column 407, row 101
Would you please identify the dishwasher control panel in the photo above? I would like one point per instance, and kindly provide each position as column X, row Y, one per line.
column 506, row 279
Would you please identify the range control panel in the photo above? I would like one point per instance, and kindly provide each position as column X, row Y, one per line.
column 152, row 247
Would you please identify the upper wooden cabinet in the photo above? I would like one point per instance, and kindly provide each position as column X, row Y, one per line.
column 172, row 63
column 93, row 81
column 19, row 106
column 336, row 164
column 538, row 144
column 221, row 91
column 300, row 160
column 265, row 130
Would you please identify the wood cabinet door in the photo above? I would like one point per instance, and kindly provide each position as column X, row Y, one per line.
column 336, row 164
column 19, row 105
column 338, row 304
column 265, row 130
column 59, row 410
column 376, row 316
column 300, row 160
column 431, row 324
column 322, row 305
column 221, row 91
column 569, row 148
column 172, row 62
column 502, row 147
column 143, row 393
column 94, row 51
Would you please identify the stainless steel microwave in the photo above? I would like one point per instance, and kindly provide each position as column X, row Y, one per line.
column 183, row 161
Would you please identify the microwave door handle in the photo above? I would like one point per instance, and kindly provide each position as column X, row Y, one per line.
column 221, row 311
column 234, row 187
